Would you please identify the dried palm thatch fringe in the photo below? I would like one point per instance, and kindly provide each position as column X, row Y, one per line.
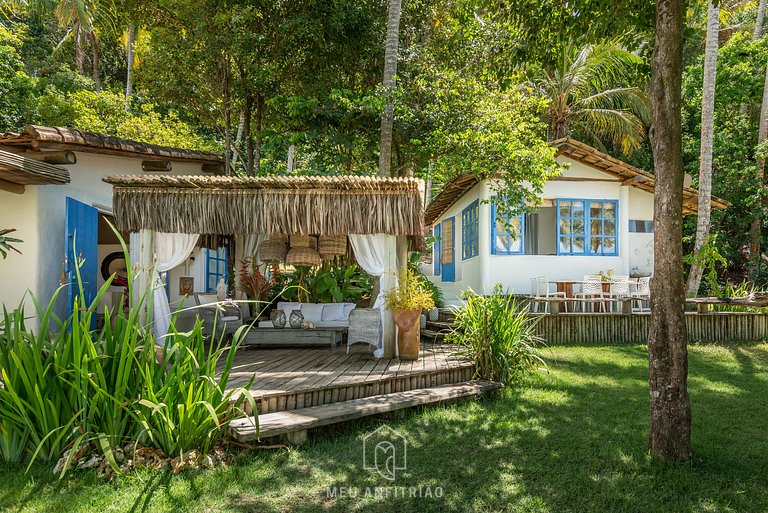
column 321, row 211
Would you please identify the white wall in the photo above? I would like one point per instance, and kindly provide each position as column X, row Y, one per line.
column 44, row 208
column 641, row 244
column 514, row 272
column 18, row 273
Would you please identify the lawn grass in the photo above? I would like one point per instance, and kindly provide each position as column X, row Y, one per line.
column 571, row 439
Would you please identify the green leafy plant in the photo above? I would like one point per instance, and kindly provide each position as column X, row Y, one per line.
column 334, row 282
column 64, row 384
column 7, row 243
column 409, row 294
column 498, row 335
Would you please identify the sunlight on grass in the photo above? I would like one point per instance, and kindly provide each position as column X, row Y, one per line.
column 571, row 439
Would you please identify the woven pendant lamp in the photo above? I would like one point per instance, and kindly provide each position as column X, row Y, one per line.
column 303, row 241
column 330, row 246
column 273, row 250
column 303, row 257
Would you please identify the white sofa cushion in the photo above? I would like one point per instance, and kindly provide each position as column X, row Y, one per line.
column 348, row 307
column 333, row 312
column 288, row 307
column 312, row 311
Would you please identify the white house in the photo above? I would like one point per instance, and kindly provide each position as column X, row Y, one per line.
column 597, row 216
column 52, row 193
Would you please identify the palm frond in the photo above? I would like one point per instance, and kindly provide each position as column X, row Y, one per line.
column 621, row 127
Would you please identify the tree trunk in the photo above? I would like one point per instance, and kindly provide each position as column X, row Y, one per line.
column 390, row 69
column 755, row 232
column 760, row 21
column 257, row 137
column 130, row 57
column 95, row 59
column 704, row 219
column 248, row 133
column 227, row 119
column 669, row 436
column 79, row 51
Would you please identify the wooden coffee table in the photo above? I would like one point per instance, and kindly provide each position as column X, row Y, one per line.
column 294, row 337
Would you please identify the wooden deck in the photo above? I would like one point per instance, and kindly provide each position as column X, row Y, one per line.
column 287, row 379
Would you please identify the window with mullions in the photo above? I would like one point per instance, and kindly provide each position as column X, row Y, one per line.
column 506, row 234
column 215, row 268
column 470, row 239
column 587, row 227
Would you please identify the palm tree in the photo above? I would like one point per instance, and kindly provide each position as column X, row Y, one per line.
column 589, row 100
column 704, row 218
column 390, row 69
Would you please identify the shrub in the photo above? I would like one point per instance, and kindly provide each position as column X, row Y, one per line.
column 63, row 385
column 498, row 335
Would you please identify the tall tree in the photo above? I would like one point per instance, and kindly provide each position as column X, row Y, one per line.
column 390, row 69
column 704, row 217
column 669, row 436
column 589, row 98
column 760, row 21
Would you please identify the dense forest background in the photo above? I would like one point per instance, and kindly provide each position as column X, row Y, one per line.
column 296, row 87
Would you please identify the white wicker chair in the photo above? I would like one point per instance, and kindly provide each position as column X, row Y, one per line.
column 592, row 288
column 641, row 297
column 364, row 326
column 620, row 289
column 540, row 289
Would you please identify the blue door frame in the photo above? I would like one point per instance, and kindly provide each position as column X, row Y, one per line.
column 82, row 229
column 448, row 250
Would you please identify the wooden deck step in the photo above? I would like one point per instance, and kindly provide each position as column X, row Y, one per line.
column 432, row 336
column 297, row 422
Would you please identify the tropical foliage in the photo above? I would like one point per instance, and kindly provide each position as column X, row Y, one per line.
column 7, row 243
column 409, row 294
column 65, row 385
column 591, row 99
column 497, row 333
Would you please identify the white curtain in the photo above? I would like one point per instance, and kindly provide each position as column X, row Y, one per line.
column 251, row 242
column 370, row 253
column 171, row 250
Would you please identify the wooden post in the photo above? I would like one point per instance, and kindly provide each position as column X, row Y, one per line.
column 388, row 281
column 142, row 293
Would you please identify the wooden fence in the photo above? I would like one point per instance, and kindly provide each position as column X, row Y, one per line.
column 580, row 328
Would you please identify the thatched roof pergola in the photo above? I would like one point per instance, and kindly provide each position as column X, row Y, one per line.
column 316, row 205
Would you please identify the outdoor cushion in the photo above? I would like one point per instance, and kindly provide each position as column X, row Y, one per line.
column 333, row 312
column 312, row 312
column 288, row 308
column 348, row 307
column 229, row 318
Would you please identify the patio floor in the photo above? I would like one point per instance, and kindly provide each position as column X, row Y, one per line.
column 296, row 378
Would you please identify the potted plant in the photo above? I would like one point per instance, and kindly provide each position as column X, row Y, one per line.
column 406, row 301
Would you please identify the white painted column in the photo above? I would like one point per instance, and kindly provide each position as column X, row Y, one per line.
column 387, row 282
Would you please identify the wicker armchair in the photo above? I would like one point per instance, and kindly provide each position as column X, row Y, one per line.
column 227, row 319
column 364, row 326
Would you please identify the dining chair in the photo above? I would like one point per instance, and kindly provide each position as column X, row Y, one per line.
column 619, row 289
column 642, row 296
column 591, row 288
